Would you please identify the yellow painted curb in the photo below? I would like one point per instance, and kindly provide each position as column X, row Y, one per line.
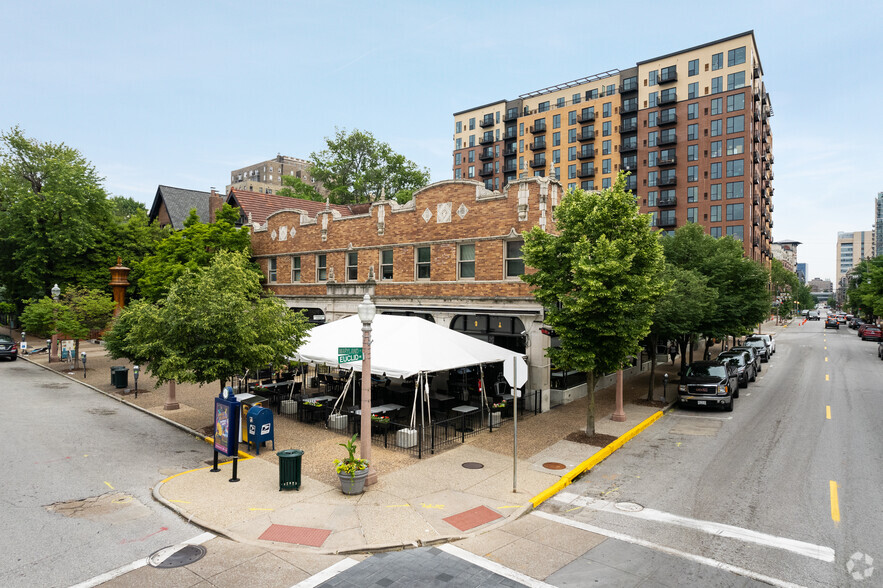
column 590, row 463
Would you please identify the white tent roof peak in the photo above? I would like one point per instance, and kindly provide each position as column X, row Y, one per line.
column 402, row 346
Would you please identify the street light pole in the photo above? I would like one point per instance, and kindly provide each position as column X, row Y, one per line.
column 367, row 310
column 53, row 347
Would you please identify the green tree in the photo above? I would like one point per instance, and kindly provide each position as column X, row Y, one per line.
column 297, row 188
column 214, row 323
column 357, row 168
column 124, row 207
column 54, row 214
column 598, row 279
column 864, row 291
column 77, row 313
column 190, row 249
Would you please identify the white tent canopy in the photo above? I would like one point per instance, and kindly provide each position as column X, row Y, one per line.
column 403, row 346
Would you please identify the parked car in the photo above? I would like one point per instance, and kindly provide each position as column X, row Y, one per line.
column 855, row 323
column 872, row 333
column 832, row 323
column 880, row 350
column 8, row 347
column 761, row 346
column 755, row 356
column 744, row 365
column 709, row 383
column 813, row 315
column 770, row 341
column 861, row 329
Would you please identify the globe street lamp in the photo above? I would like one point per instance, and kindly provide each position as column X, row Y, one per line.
column 135, row 371
column 53, row 348
column 367, row 310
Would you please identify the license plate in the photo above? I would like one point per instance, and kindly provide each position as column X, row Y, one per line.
column 702, row 402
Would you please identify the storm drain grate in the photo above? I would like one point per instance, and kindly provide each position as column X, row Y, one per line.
column 176, row 556
column 473, row 465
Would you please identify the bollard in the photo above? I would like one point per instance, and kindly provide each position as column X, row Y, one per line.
column 664, row 386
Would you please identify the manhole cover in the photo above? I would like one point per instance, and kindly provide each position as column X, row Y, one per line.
column 554, row 465
column 629, row 506
column 473, row 465
column 176, row 556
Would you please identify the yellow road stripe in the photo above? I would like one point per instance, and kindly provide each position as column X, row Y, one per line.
column 827, row 378
column 835, row 505
column 109, row 486
column 828, row 412
column 826, row 359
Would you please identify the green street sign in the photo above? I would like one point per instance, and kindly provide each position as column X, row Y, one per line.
column 348, row 354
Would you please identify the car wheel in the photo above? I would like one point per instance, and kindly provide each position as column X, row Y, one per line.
column 14, row 357
column 729, row 407
column 753, row 375
column 736, row 393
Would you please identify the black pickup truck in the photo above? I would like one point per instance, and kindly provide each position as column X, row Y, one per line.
column 709, row 383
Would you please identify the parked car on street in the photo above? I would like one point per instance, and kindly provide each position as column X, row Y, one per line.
column 832, row 323
column 755, row 356
column 770, row 341
column 8, row 347
column 744, row 365
column 709, row 383
column 861, row 329
column 855, row 323
column 872, row 333
column 761, row 346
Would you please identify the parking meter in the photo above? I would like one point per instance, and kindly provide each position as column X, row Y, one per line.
column 83, row 359
column 135, row 370
column 24, row 344
column 664, row 385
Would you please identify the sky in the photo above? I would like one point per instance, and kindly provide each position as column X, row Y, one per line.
column 182, row 93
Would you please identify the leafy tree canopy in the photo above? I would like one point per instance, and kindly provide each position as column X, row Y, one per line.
column 77, row 312
column 297, row 188
column 356, row 168
column 864, row 291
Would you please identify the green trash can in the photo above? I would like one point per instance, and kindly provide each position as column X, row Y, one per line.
column 119, row 376
column 289, row 469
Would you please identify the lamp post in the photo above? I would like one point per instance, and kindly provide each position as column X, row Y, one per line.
column 53, row 348
column 83, row 359
column 367, row 310
column 135, row 370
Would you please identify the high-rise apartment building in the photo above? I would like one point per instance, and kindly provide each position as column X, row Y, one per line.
column 692, row 128
column 266, row 177
column 851, row 249
column 786, row 252
column 878, row 224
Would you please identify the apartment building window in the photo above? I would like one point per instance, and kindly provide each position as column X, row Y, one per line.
column 520, row 129
column 458, row 143
column 693, row 67
column 667, row 218
column 606, row 109
column 653, row 215
column 693, row 194
column 714, row 214
column 556, row 138
column 605, row 147
column 520, row 163
column 386, row 264
column 717, row 85
column 715, row 191
column 466, row 261
column 692, row 152
column 692, row 214
column 692, row 173
column 271, row 270
column 652, row 117
column 611, row 89
column 556, row 156
column 717, row 127
column 471, row 156
column 556, row 121
column 736, row 232
column 735, row 190
column 715, row 232
column 692, row 111
column 716, row 148
column 521, row 145
column 560, row 102
column 605, row 166
column 736, row 146
column 651, row 178
column 577, row 98
column 735, row 56
column 423, row 258
column 459, row 126
column 352, row 266
column 514, row 259
column 571, row 135
column 458, row 173
column 472, row 140
column 571, row 117
column 571, row 154
column 489, row 184
column 651, row 198
column 717, row 61
column 653, row 99
column 543, row 106
column 472, row 124
column 471, row 171
column 717, row 106
column 665, row 176
column 735, row 168
column 607, row 128
column 736, row 102
column 571, row 171
column 736, row 80
column 591, row 94
column 321, row 267
column 692, row 132
column 735, row 212
column 458, row 158
column 652, row 158
column 652, row 138
column 693, row 90
column 652, row 76
column 295, row 268
column 668, row 95
column 571, row 186
column 605, row 183
column 716, row 171
column 588, row 185
column 736, row 124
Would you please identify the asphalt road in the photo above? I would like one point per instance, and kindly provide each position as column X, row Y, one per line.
column 65, row 443
column 801, row 491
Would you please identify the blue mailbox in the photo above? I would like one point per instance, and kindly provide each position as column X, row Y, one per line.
column 260, row 427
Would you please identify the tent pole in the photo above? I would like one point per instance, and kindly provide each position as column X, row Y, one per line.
column 515, row 426
column 420, row 391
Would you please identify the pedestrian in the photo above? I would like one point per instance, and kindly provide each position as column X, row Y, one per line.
column 673, row 352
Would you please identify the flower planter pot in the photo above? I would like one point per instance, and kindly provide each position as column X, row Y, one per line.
column 406, row 437
column 337, row 422
column 288, row 407
column 495, row 419
column 353, row 484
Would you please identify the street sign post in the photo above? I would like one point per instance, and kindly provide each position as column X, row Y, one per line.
column 349, row 354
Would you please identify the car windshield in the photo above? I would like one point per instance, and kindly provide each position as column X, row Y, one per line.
column 5, row 339
column 755, row 343
column 736, row 360
column 718, row 371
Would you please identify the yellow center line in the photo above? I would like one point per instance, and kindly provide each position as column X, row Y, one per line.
column 828, row 412
column 109, row 486
column 835, row 505
column 826, row 359
column 827, row 378
column 826, row 347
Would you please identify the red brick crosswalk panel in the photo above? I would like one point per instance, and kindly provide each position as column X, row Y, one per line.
column 473, row 518
column 297, row 535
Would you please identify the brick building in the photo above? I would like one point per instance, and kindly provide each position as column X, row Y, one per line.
column 452, row 255
column 692, row 127
column 266, row 177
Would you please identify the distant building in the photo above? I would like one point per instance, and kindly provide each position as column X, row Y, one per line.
column 266, row 177
column 172, row 206
column 820, row 285
column 851, row 249
column 878, row 224
column 786, row 252
column 801, row 272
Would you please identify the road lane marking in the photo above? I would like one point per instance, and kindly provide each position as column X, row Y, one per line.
column 835, row 504
column 493, row 566
column 109, row 486
column 826, row 359
column 662, row 548
column 819, row 552
column 828, row 412
column 327, row 573
column 827, row 378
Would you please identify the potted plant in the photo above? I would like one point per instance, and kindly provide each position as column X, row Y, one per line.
column 351, row 471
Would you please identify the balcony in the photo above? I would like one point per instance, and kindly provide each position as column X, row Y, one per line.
column 673, row 201
column 586, row 118
column 486, row 122
column 628, row 106
column 668, row 181
column 668, row 139
column 510, row 134
column 631, row 183
column 586, row 154
column 630, row 126
column 538, row 146
column 628, row 86
column 586, row 136
column 484, row 172
column 629, row 166
column 667, row 118
column 511, row 150
column 667, row 97
column 666, row 77
column 667, row 221
column 510, row 115
column 486, row 139
column 756, row 179
column 486, row 155
column 538, row 128
column 586, row 172
column 670, row 160
column 628, row 147
column 510, row 168
column 756, row 156
column 757, row 241
column 541, row 163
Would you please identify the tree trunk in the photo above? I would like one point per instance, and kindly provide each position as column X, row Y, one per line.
column 654, row 341
column 707, row 355
column 590, row 409
column 690, row 343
